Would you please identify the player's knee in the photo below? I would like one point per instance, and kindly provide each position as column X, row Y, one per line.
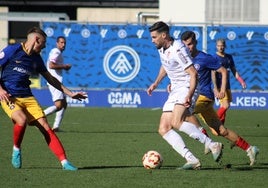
column 226, row 106
column 223, row 131
column 21, row 119
column 60, row 104
column 163, row 130
column 214, row 132
column 176, row 124
column 21, row 122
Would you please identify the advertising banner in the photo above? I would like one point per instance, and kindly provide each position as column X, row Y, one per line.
column 117, row 98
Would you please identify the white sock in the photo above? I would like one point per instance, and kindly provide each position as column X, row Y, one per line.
column 58, row 118
column 50, row 110
column 64, row 161
column 175, row 140
column 190, row 157
column 191, row 130
column 15, row 148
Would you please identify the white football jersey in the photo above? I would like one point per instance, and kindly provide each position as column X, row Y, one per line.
column 175, row 60
column 56, row 57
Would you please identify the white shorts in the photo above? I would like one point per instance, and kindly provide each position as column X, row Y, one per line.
column 55, row 93
column 177, row 96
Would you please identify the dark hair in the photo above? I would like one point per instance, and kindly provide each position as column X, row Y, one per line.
column 60, row 37
column 187, row 35
column 221, row 40
column 37, row 30
column 159, row 27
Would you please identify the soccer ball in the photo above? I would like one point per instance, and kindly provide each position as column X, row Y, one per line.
column 152, row 160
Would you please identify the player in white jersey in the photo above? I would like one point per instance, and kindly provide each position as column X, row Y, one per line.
column 178, row 66
column 55, row 66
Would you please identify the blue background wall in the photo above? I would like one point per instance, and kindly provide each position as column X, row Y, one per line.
column 249, row 47
column 116, row 63
column 94, row 49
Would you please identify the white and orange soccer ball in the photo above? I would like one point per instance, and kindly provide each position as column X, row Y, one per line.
column 152, row 160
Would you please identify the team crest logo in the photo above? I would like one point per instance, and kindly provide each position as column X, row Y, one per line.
column 121, row 64
column 11, row 105
column 2, row 55
column 197, row 66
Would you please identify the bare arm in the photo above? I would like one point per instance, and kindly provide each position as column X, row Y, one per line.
column 238, row 77
column 56, row 83
column 59, row 66
column 223, row 73
column 193, row 83
column 214, row 82
column 162, row 73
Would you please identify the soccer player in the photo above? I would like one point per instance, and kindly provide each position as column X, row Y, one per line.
column 178, row 66
column 55, row 65
column 205, row 64
column 226, row 60
column 18, row 62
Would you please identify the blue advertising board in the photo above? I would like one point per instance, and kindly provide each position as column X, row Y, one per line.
column 120, row 98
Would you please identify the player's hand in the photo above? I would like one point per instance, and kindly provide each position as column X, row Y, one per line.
column 79, row 95
column 151, row 88
column 216, row 92
column 188, row 102
column 67, row 66
column 4, row 95
column 220, row 95
column 242, row 82
column 244, row 85
column 169, row 88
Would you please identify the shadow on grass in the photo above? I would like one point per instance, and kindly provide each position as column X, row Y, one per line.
column 235, row 167
column 243, row 167
column 107, row 132
column 258, row 166
column 106, row 167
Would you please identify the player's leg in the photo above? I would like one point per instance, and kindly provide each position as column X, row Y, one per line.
column 213, row 122
column 252, row 151
column 180, row 114
column 59, row 114
column 38, row 119
column 14, row 111
column 176, row 141
column 57, row 96
column 224, row 106
column 18, row 134
column 184, row 121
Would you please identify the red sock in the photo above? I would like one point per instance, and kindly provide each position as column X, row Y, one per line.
column 55, row 145
column 18, row 133
column 242, row 144
column 222, row 114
